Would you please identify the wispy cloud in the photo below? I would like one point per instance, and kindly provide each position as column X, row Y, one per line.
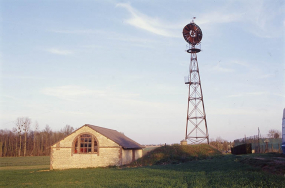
column 216, row 17
column 69, row 92
column 145, row 22
column 266, row 76
column 262, row 17
column 80, row 31
column 258, row 17
column 248, row 94
column 230, row 111
column 222, row 69
column 73, row 92
column 110, row 35
column 255, row 71
column 242, row 63
column 10, row 97
column 59, row 52
column 279, row 94
column 260, row 93
column 105, row 99
column 12, row 76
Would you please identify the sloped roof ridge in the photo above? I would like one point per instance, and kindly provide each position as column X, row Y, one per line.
column 101, row 127
column 116, row 136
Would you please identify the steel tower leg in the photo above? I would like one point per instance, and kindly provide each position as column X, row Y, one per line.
column 196, row 123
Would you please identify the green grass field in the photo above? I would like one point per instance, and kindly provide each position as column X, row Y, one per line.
column 215, row 171
column 24, row 162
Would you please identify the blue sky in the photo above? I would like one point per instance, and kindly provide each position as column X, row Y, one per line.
column 121, row 65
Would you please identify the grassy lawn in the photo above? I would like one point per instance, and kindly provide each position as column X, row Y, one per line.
column 7, row 162
column 217, row 171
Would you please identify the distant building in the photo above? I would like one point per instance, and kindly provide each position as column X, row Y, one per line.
column 283, row 131
column 93, row 146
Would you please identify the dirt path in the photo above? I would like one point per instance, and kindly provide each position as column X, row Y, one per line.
column 272, row 163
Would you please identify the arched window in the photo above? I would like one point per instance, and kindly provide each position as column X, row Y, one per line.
column 85, row 143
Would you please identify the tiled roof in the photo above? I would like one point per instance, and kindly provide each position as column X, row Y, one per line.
column 117, row 137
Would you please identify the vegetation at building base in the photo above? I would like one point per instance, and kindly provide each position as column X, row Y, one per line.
column 221, row 171
column 176, row 154
column 221, row 144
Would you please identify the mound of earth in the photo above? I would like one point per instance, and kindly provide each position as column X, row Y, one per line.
column 176, row 154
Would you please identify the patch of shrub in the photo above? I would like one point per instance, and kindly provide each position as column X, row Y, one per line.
column 176, row 154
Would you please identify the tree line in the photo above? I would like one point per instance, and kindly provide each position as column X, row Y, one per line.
column 221, row 144
column 23, row 141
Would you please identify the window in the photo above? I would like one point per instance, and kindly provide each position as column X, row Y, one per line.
column 85, row 143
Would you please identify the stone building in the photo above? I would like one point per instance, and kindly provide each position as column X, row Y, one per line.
column 93, row 146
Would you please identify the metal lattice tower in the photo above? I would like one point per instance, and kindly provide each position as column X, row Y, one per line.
column 196, row 124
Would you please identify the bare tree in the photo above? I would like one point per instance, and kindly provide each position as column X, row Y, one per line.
column 15, row 131
column 37, row 142
column 273, row 133
column 26, row 128
column 47, row 132
column 219, row 141
column 226, row 146
column 35, row 137
column 2, row 139
column 19, row 128
column 67, row 130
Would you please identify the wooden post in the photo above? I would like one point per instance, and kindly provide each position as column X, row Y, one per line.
column 79, row 145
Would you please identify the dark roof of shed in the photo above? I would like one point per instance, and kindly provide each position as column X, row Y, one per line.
column 117, row 137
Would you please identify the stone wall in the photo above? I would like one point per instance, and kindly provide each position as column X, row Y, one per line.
column 138, row 154
column 130, row 155
column 109, row 153
column 62, row 156
column 126, row 156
